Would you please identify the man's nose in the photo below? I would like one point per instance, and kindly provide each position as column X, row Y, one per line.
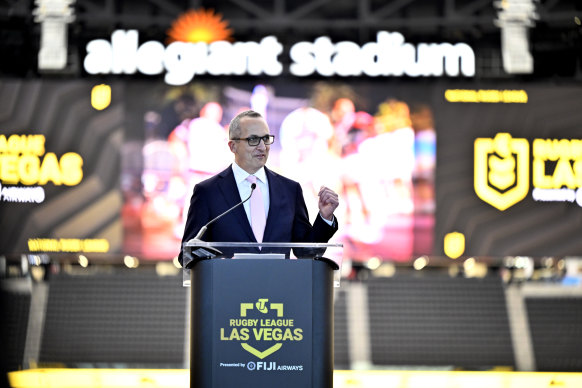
column 261, row 144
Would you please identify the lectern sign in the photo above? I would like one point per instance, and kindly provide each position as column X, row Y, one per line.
column 263, row 328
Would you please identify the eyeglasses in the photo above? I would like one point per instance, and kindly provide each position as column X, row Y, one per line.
column 255, row 140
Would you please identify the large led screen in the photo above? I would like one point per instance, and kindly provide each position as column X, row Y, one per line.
column 118, row 180
column 59, row 169
column 505, row 178
column 509, row 175
column 374, row 144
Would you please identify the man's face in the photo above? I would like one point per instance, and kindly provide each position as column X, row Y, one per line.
column 251, row 158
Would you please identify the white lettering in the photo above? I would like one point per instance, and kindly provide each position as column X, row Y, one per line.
column 389, row 45
column 125, row 47
column 270, row 50
column 347, row 60
column 554, row 195
column 389, row 55
column 99, row 57
column 220, row 59
column 303, row 59
column 371, row 64
column 183, row 60
column 458, row 56
column 150, row 58
column 22, row 194
column 323, row 50
column 245, row 55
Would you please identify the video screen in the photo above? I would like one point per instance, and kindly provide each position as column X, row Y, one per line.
column 372, row 144
column 76, row 179
column 59, row 169
column 509, row 168
column 505, row 178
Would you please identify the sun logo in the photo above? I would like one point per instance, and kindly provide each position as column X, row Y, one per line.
column 199, row 26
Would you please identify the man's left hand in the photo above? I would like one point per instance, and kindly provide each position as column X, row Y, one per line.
column 328, row 202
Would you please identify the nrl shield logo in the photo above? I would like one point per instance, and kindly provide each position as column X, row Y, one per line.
column 501, row 170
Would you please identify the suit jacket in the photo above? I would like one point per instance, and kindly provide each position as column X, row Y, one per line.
column 287, row 220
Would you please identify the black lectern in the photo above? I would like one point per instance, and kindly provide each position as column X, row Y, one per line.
column 259, row 321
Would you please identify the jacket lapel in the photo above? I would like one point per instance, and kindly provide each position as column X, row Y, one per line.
column 229, row 190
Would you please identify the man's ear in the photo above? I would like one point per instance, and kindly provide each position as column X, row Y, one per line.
column 232, row 145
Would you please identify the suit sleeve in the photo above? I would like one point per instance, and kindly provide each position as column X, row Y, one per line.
column 198, row 216
column 303, row 231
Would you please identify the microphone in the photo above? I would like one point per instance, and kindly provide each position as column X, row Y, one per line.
column 203, row 229
column 209, row 252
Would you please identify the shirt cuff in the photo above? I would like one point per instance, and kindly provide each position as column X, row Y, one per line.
column 330, row 223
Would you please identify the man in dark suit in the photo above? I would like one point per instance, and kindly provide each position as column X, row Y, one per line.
column 280, row 199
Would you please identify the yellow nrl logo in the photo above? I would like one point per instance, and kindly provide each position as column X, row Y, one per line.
column 262, row 330
column 501, row 170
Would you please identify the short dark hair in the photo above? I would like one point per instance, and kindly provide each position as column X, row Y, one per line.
column 234, row 130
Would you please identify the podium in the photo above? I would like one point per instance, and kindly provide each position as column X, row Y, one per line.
column 260, row 320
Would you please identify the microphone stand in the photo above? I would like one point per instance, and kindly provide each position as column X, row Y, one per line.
column 202, row 253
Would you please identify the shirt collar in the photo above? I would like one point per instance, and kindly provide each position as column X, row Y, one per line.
column 241, row 175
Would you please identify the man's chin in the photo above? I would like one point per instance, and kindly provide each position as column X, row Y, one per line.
column 260, row 162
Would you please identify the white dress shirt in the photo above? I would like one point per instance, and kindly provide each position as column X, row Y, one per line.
column 244, row 187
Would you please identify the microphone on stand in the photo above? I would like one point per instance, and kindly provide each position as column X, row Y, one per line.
column 209, row 252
